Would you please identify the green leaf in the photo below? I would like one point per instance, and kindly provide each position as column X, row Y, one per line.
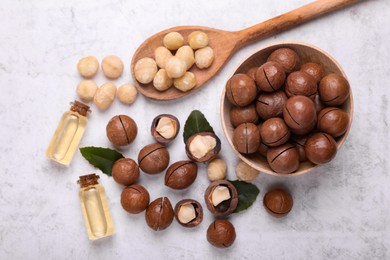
column 247, row 194
column 196, row 123
column 102, row 158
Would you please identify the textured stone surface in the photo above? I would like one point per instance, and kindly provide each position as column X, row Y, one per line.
column 341, row 209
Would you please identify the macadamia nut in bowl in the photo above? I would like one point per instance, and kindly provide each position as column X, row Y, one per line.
column 287, row 104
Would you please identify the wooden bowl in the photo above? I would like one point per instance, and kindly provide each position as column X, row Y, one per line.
column 307, row 53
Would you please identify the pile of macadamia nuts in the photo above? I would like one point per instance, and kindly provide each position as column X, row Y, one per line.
column 103, row 96
column 287, row 111
column 173, row 60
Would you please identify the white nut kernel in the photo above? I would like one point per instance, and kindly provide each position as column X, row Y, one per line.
column 216, row 170
column 173, row 40
column 161, row 55
column 186, row 213
column 166, row 127
column 204, row 57
column 186, row 53
column 201, row 145
column 112, row 67
column 145, row 69
column 127, row 94
column 86, row 90
column 175, row 67
column 88, row 66
column 245, row 172
column 220, row 194
column 186, row 82
column 104, row 96
column 198, row 39
column 161, row 81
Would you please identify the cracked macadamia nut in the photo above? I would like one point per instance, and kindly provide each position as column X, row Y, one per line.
column 162, row 81
column 240, row 115
column 104, row 96
column 203, row 147
column 153, row 158
column 86, row 90
column 246, row 138
column 333, row 89
column 204, row 57
column 125, row 171
column 245, row 172
column 112, row 67
column 278, row 202
column 216, row 169
column 88, row 66
column 300, row 114
column 186, row 82
column 173, row 41
column 221, row 198
column 221, row 233
column 135, row 198
column 144, row 70
column 286, row 57
column 165, row 128
column 314, row 69
column 159, row 214
column 283, row 159
column 186, row 53
column 161, row 55
column 320, row 148
column 127, row 94
column 271, row 104
column 121, row 130
column 198, row 39
column 333, row 121
column 241, row 90
column 270, row 76
column 175, row 67
column 274, row 132
column 181, row 174
column 188, row 213
column 301, row 83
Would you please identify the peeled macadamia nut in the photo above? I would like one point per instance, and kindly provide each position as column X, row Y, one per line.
column 245, row 172
column 221, row 198
column 162, row 81
column 283, row 159
column 246, row 138
column 270, row 76
column 320, row 148
column 161, row 55
column 88, row 66
column 333, row 89
column 125, row 171
column 301, row 83
column 186, row 82
column 216, row 169
column 271, row 104
column 186, row 53
column 198, row 39
column 240, row 115
column 221, row 233
column 135, row 198
column 313, row 69
column 286, row 57
column 175, row 67
column 241, row 90
column 333, row 121
column 173, row 41
column 203, row 146
column 278, row 202
column 112, row 67
column 121, row 130
column 165, row 128
column 204, row 57
column 104, row 96
column 189, row 213
column 127, row 93
column 144, row 70
column 86, row 90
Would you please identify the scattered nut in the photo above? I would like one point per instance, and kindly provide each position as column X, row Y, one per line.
column 186, row 82
column 104, row 96
column 175, row 67
column 161, row 55
column 86, row 90
column 186, row 53
column 165, row 128
column 125, row 171
column 245, row 172
column 135, row 198
column 121, row 130
column 188, row 213
column 153, row 158
column 173, row 41
column 221, row 198
column 198, row 39
column 203, row 147
column 278, row 202
column 127, row 94
column 159, row 214
column 221, row 233
column 181, row 175
column 144, row 70
column 216, row 169
column 112, row 67
column 88, row 66
column 204, row 57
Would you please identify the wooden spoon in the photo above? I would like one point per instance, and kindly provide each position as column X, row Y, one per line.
column 225, row 43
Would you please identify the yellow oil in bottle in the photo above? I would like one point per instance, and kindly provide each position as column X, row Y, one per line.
column 68, row 134
column 95, row 208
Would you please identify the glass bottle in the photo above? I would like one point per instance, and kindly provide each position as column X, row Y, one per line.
column 68, row 134
column 95, row 208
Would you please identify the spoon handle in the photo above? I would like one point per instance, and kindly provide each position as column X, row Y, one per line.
column 290, row 19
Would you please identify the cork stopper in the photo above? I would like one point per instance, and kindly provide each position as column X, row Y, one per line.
column 88, row 180
column 80, row 108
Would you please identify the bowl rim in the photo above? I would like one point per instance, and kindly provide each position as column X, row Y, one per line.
column 280, row 45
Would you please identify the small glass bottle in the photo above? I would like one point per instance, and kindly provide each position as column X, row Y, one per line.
column 68, row 134
column 95, row 208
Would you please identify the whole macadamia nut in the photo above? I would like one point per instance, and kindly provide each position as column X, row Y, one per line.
column 204, row 57
column 104, row 96
column 320, row 148
column 86, row 90
column 159, row 214
column 144, row 70
column 121, row 130
column 300, row 114
column 198, row 39
column 153, row 158
column 301, row 83
column 270, row 76
column 127, row 93
column 286, row 57
column 125, row 171
column 246, row 138
column 274, row 132
column 186, row 82
column 278, row 202
column 283, row 159
column 216, row 169
column 88, row 66
column 333, row 89
column 333, row 121
column 241, row 90
column 173, row 41
column 314, row 69
column 112, row 67
column 135, row 198
column 271, row 104
column 181, row 174
column 239, row 115
column 245, row 172
column 221, row 233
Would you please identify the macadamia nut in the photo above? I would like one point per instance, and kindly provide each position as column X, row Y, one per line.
column 127, row 94
column 175, row 67
column 220, row 193
column 104, row 96
column 112, row 67
column 86, row 90
column 198, row 39
column 161, row 55
column 201, row 145
column 216, row 170
column 162, row 81
column 186, row 82
column 186, row 53
column 204, row 57
column 173, row 41
column 145, row 69
column 88, row 66
column 244, row 172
